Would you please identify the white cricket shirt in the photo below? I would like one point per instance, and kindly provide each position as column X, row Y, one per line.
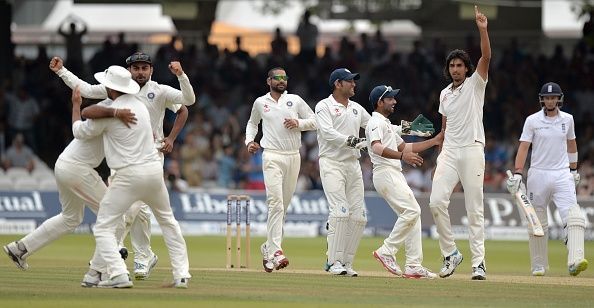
column 156, row 97
column 463, row 109
column 273, row 114
column 381, row 129
column 123, row 146
column 549, row 139
column 335, row 124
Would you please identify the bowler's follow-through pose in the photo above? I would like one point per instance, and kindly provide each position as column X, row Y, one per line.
column 156, row 98
column 283, row 117
column 462, row 158
column 552, row 177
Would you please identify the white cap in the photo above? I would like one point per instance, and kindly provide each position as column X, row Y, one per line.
column 118, row 78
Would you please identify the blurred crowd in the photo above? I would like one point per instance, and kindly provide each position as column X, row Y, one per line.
column 210, row 151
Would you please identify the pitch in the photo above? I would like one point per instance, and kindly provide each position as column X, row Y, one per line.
column 53, row 279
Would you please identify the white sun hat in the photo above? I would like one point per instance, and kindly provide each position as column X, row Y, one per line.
column 118, row 78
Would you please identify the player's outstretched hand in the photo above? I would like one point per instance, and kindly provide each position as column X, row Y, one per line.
column 56, row 63
column 513, row 182
column 412, row 159
column 481, row 19
column 126, row 116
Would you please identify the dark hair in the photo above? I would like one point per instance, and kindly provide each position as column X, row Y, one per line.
column 457, row 54
column 271, row 71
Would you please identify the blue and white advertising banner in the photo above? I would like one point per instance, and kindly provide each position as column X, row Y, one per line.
column 202, row 212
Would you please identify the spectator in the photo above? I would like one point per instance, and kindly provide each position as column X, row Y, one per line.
column 308, row 39
column 19, row 155
column 74, row 47
column 23, row 111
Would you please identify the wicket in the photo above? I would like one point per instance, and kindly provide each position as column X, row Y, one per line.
column 238, row 199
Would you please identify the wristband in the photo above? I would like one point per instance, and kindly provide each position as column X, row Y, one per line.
column 573, row 157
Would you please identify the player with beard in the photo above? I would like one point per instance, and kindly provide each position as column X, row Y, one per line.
column 283, row 117
column 157, row 98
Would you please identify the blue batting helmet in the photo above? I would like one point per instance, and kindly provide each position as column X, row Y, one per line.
column 550, row 89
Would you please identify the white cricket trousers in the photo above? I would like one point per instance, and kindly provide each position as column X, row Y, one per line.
column 343, row 187
column 281, row 170
column 77, row 185
column 544, row 186
column 465, row 165
column 138, row 182
column 390, row 183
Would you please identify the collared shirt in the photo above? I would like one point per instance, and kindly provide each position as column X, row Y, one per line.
column 123, row 146
column 336, row 123
column 273, row 114
column 88, row 152
column 381, row 129
column 156, row 97
column 463, row 109
column 549, row 139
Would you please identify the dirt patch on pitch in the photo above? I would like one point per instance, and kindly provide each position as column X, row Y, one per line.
column 546, row 280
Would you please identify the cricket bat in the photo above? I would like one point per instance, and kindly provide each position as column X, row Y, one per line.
column 524, row 203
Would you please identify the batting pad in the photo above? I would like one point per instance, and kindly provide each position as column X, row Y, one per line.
column 352, row 239
column 539, row 249
column 337, row 229
column 576, row 224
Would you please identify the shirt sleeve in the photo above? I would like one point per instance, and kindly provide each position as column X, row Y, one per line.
column 307, row 118
column 375, row 132
column 174, row 96
column 87, row 90
column 365, row 116
column 325, row 128
column 251, row 129
column 571, row 129
column 527, row 132
column 88, row 129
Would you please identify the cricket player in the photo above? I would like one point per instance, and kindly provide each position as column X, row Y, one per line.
column 137, row 175
column 387, row 150
column 283, row 117
column 462, row 158
column 157, row 98
column 552, row 176
column 339, row 120
column 78, row 185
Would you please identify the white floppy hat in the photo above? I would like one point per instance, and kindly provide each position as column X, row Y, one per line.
column 118, row 78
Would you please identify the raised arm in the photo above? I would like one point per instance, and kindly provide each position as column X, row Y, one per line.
column 186, row 96
column 483, row 64
column 87, row 90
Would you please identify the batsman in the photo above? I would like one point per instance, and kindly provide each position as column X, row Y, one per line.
column 552, row 176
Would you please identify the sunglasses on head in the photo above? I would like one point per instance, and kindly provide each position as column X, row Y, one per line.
column 280, row 77
column 138, row 57
column 388, row 89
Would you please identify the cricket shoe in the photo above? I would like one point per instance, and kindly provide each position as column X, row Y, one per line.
column 350, row 271
column 538, row 271
column 479, row 272
column 337, row 269
column 388, row 262
column 450, row 263
column 16, row 251
column 119, row 282
column 578, row 267
column 266, row 262
column 91, row 279
column 279, row 260
column 181, row 283
column 418, row 272
column 143, row 271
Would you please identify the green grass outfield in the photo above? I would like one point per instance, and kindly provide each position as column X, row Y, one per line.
column 53, row 279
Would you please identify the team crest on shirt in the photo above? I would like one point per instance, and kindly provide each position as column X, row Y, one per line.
column 289, row 103
column 343, row 209
column 563, row 127
column 266, row 108
column 150, row 95
column 337, row 112
column 355, row 111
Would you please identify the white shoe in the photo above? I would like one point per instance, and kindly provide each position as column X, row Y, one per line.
column 181, row 283
column 418, row 272
column 450, row 263
column 350, row 271
column 143, row 271
column 16, row 251
column 479, row 272
column 266, row 263
column 279, row 260
column 91, row 279
column 539, row 271
column 388, row 262
column 578, row 267
column 119, row 281
column 337, row 269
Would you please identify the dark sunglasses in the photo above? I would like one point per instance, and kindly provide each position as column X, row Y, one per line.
column 280, row 77
column 138, row 57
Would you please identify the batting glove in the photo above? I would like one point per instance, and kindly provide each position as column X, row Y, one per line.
column 576, row 177
column 352, row 141
column 361, row 145
column 513, row 183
